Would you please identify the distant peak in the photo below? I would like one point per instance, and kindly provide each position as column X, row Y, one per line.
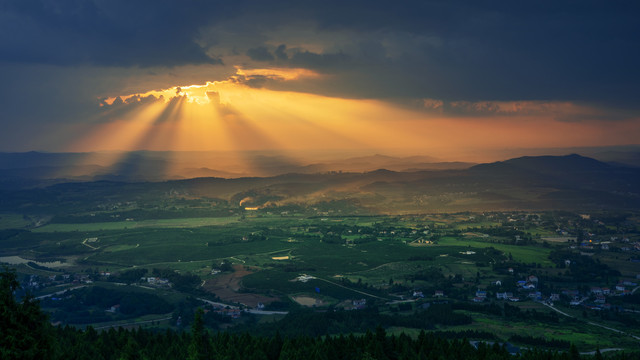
column 549, row 163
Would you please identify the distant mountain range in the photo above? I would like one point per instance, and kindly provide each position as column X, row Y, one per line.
column 527, row 183
column 38, row 167
column 158, row 166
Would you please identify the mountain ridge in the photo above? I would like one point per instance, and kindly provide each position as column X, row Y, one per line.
column 545, row 182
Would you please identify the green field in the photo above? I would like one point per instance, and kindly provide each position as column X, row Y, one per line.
column 526, row 254
column 377, row 258
column 124, row 225
column 13, row 221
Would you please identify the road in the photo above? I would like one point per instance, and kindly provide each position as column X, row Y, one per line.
column 348, row 288
column 592, row 323
column 59, row 292
column 133, row 323
column 251, row 311
column 218, row 304
column 601, row 351
column 266, row 312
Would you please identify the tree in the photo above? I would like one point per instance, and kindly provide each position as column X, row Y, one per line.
column 573, row 352
column 226, row 266
column 598, row 355
column 26, row 334
column 131, row 349
column 199, row 338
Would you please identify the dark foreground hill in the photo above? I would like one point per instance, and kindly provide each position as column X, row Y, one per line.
column 570, row 182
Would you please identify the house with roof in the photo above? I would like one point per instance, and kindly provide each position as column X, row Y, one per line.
column 504, row 295
column 596, row 291
column 570, row 292
column 575, row 302
column 360, row 304
column 535, row 295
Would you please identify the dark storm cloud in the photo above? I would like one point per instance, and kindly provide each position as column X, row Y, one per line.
column 325, row 61
column 105, row 32
column 260, row 54
column 449, row 50
column 500, row 48
column 280, row 52
column 504, row 50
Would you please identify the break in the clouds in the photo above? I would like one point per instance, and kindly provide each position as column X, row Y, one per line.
column 570, row 61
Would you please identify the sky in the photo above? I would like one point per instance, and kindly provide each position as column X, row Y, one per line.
column 450, row 79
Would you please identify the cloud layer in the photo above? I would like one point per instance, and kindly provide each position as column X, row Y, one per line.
column 462, row 58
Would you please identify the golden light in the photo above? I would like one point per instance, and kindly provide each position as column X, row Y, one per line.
column 232, row 116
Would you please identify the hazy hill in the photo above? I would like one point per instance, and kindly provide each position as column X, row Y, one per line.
column 158, row 165
column 545, row 182
column 547, row 164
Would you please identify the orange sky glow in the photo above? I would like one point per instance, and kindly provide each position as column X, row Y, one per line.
column 231, row 116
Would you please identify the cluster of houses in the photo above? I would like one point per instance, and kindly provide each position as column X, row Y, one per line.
column 527, row 286
column 597, row 296
column 596, row 299
column 592, row 242
column 620, row 289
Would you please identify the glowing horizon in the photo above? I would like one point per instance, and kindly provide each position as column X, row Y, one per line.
column 233, row 116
